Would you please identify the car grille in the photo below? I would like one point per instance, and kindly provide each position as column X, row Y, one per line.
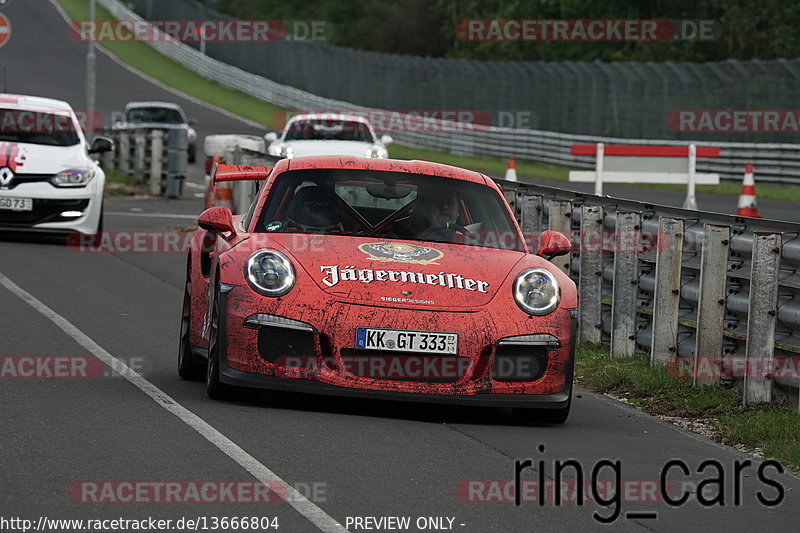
column 26, row 178
column 400, row 366
column 43, row 211
column 519, row 363
column 275, row 344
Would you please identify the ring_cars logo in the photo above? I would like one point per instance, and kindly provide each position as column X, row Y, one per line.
column 402, row 253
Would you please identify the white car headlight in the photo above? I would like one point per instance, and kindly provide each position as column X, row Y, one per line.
column 281, row 150
column 376, row 152
column 269, row 273
column 74, row 177
column 536, row 291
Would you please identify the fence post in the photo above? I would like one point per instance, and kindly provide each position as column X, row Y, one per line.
column 590, row 279
column 667, row 291
column 530, row 211
column 561, row 221
column 177, row 161
column 124, row 165
column 623, row 303
column 762, row 317
column 156, row 161
column 711, row 299
column 108, row 159
column 139, row 154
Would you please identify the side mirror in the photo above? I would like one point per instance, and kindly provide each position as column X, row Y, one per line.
column 386, row 139
column 217, row 220
column 192, row 121
column 552, row 244
column 101, row 145
column 271, row 137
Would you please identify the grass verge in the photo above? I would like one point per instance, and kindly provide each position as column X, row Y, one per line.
column 769, row 430
column 144, row 58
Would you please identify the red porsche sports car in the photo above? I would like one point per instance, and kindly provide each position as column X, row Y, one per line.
column 379, row 278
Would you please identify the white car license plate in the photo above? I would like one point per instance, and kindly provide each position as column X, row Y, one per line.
column 399, row 340
column 16, row 204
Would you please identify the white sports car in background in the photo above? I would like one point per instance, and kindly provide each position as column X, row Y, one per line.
column 48, row 182
column 327, row 134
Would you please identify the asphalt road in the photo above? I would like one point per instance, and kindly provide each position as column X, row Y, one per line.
column 63, row 438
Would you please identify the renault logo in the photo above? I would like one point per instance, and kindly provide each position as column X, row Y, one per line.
column 6, row 175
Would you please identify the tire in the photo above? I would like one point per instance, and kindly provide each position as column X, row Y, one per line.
column 192, row 153
column 529, row 415
column 189, row 368
column 215, row 389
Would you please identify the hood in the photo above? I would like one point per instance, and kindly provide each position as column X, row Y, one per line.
column 305, row 148
column 23, row 158
column 403, row 273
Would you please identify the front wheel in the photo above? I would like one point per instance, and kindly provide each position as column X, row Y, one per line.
column 215, row 389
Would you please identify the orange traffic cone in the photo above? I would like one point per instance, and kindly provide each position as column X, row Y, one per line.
column 747, row 199
column 511, row 171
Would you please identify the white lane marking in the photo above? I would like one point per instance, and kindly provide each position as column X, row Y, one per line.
column 162, row 85
column 309, row 510
column 151, row 215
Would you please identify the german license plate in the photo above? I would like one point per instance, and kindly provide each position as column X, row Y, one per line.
column 16, row 204
column 400, row 340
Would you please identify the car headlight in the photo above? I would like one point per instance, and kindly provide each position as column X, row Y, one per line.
column 376, row 152
column 269, row 273
column 74, row 177
column 536, row 291
column 281, row 150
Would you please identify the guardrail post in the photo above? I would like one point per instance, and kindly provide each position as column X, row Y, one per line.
column 667, row 293
column 623, row 303
column 139, row 154
column 530, row 206
column 177, row 161
column 511, row 199
column 561, row 221
column 711, row 300
column 108, row 159
column 124, row 165
column 590, row 280
column 762, row 316
column 156, row 161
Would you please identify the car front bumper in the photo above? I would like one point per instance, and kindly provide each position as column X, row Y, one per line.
column 248, row 362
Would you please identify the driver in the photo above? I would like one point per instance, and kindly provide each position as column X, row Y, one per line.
column 435, row 213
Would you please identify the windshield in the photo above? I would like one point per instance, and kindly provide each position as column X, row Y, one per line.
column 329, row 130
column 36, row 127
column 388, row 205
column 162, row 115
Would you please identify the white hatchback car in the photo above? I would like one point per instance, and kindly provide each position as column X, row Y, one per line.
column 48, row 182
column 327, row 134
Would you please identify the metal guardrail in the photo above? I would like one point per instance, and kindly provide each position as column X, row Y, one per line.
column 773, row 162
column 697, row 310
column 159, row 157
